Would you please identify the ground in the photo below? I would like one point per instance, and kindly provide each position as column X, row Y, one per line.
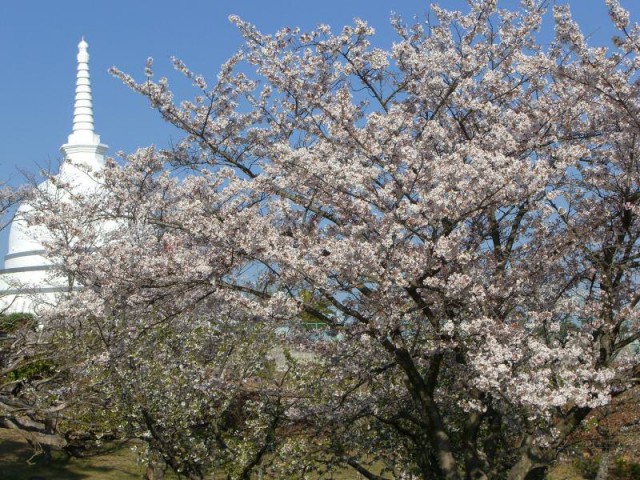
column 15, row 464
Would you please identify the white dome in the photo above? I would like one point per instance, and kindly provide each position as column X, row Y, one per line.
column 26, row 270
column 23, row 239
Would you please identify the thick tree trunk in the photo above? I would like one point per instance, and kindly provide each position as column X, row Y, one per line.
column 531, row 462
column 603, row 468
column 444, row 455
column 153, row 473
column 476, row 474
column 522, row 468
column 422, row 392
column 156, row 467
column 474, row 464
column 534, row 458
column 438, row 436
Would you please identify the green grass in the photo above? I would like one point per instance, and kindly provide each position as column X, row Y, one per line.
column 119, row 465
column 16, row 463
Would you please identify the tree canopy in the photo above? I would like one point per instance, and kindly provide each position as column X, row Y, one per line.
column 458, row 214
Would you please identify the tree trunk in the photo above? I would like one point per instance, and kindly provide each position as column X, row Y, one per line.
column 603, row 468
column 156, row 467
column 520, row 470
column 440, row 441
column 528, row 467
column 474, row 465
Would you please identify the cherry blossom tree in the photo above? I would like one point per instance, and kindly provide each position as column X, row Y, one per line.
column 25, row 371
column 458, row 214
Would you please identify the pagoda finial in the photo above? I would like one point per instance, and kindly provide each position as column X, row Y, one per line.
column 83, row 147
column 83, row 132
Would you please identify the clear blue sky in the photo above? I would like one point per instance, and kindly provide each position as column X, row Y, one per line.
column 38, row 47
column 38, row 41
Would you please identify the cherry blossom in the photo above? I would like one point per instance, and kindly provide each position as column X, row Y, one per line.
column 459, row 214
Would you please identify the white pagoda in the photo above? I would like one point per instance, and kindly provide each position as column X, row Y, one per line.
column 28, row 281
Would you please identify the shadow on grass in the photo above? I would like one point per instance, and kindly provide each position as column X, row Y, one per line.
column 18, row 463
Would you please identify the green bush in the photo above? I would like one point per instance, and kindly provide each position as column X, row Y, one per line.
column 620, row 469
column 11, row 322
column 32, row 369
column 626, row 469
column 587, row 466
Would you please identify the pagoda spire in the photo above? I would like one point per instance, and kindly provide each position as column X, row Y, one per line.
column 83, row 130
column 83, row 145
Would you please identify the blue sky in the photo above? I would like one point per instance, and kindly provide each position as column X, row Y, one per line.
column 38, row 41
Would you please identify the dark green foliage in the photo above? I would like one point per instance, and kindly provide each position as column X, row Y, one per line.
column 29, row 367
column 13, row 321
column 625, row 468
column 31, row 370
column 622, row 468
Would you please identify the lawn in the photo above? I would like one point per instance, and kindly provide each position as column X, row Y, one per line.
column 15, row 465
column 119, row 465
